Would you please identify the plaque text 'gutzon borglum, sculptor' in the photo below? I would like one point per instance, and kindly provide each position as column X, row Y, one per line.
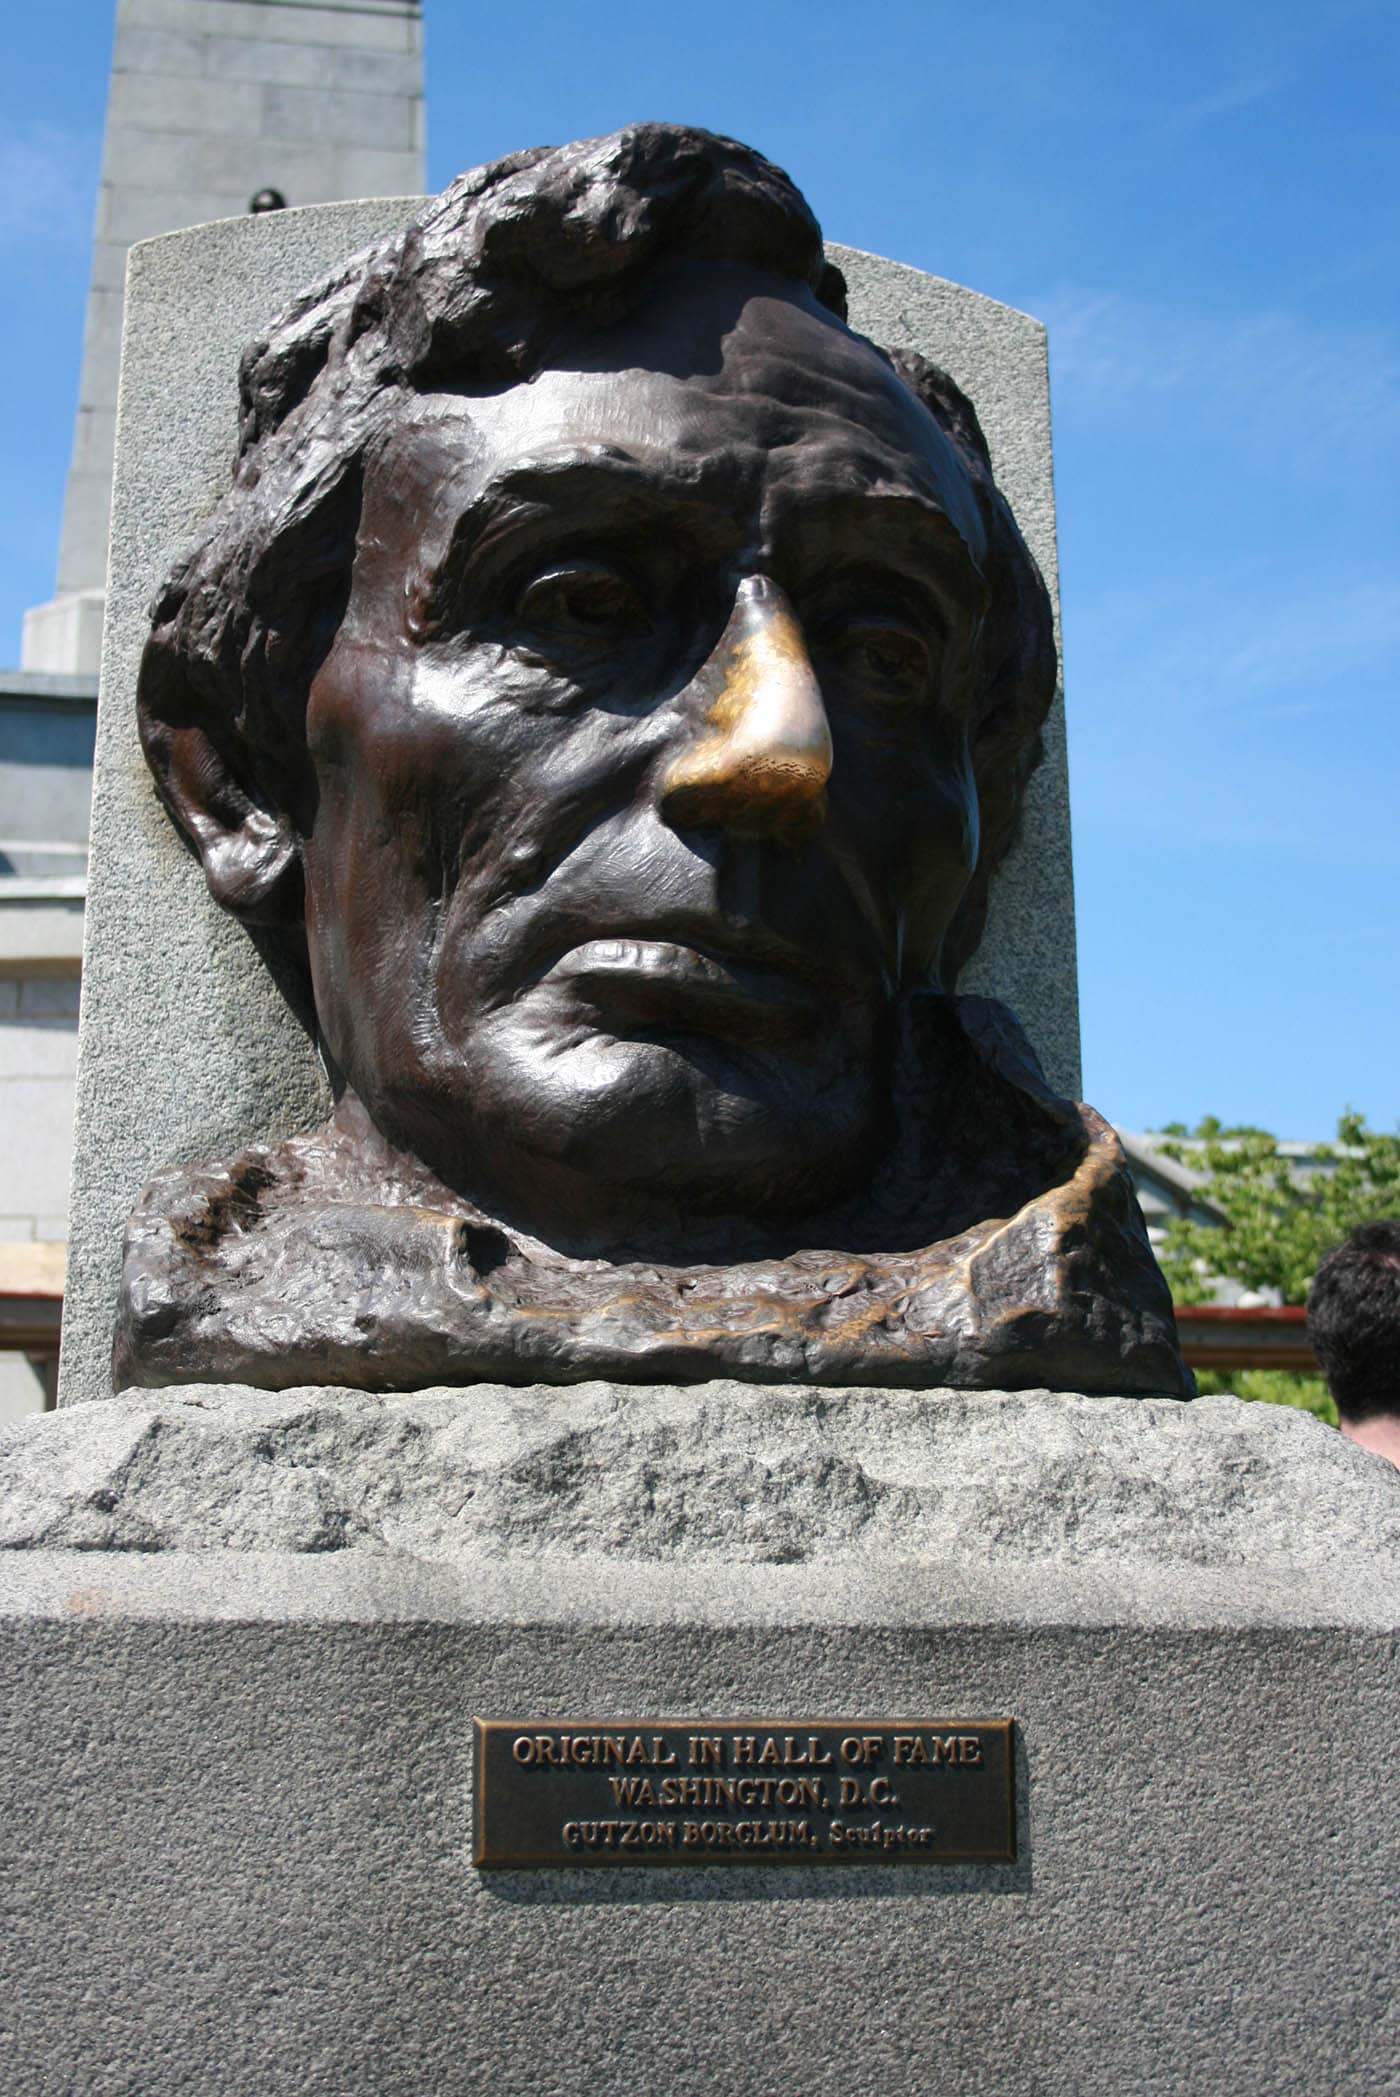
column 743, row 1791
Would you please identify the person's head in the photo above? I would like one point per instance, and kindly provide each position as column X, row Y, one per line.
column 1354, row 1322
column 619, row 680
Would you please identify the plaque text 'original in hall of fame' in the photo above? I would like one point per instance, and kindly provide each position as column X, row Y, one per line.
column 744, row 1791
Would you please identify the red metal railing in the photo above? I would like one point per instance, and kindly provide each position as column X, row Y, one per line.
column 1216, row 1337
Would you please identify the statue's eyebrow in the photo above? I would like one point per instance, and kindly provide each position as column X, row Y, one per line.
column 930, row 544
column 603, row 482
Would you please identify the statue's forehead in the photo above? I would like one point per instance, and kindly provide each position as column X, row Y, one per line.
column 776, row 399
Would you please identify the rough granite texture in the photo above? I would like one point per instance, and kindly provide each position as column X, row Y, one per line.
column 1000, row 358
column 728, row 1471
column 234, row 1851
column 186, row 1049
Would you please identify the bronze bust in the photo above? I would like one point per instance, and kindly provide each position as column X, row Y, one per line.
column 606, row 692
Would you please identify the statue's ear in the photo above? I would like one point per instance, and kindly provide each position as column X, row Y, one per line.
column 246, row 838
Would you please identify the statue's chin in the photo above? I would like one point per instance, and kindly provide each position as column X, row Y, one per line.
column 611, row 1130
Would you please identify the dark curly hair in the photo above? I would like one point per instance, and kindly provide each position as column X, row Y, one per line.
column 1354, row 1320
column 472, row 297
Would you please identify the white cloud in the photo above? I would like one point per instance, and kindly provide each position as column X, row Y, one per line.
column 1307, row 393
column 1229, row 97
column 1245, row 645
column 47, row 185
column 1298, row 41
column 1313, row 638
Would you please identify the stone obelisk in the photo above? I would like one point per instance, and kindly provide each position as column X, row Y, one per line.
column 213, row 103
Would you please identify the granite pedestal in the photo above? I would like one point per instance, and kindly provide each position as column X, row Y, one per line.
column 244, row 1645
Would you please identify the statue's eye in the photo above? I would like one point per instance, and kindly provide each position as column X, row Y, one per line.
column 586, row 599
column 885, row 654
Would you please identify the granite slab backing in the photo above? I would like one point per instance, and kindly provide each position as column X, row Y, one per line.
column 236, row 1767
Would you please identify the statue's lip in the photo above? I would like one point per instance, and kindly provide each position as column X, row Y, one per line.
column 730, row 962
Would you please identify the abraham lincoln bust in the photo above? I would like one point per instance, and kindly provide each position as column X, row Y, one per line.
column 607, row 692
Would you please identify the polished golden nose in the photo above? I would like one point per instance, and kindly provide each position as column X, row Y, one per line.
column 764, row 758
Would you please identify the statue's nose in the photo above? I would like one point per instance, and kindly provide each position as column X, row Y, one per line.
column 762, row 758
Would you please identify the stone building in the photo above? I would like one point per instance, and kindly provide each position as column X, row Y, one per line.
column 215, row 107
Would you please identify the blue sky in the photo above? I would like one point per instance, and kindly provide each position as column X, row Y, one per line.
column 1200, row 200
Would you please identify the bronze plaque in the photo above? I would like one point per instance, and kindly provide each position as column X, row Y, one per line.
column 743, row 1791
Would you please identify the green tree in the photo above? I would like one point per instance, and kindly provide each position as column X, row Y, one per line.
column 1282, row 1211
column 1306, row 1394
